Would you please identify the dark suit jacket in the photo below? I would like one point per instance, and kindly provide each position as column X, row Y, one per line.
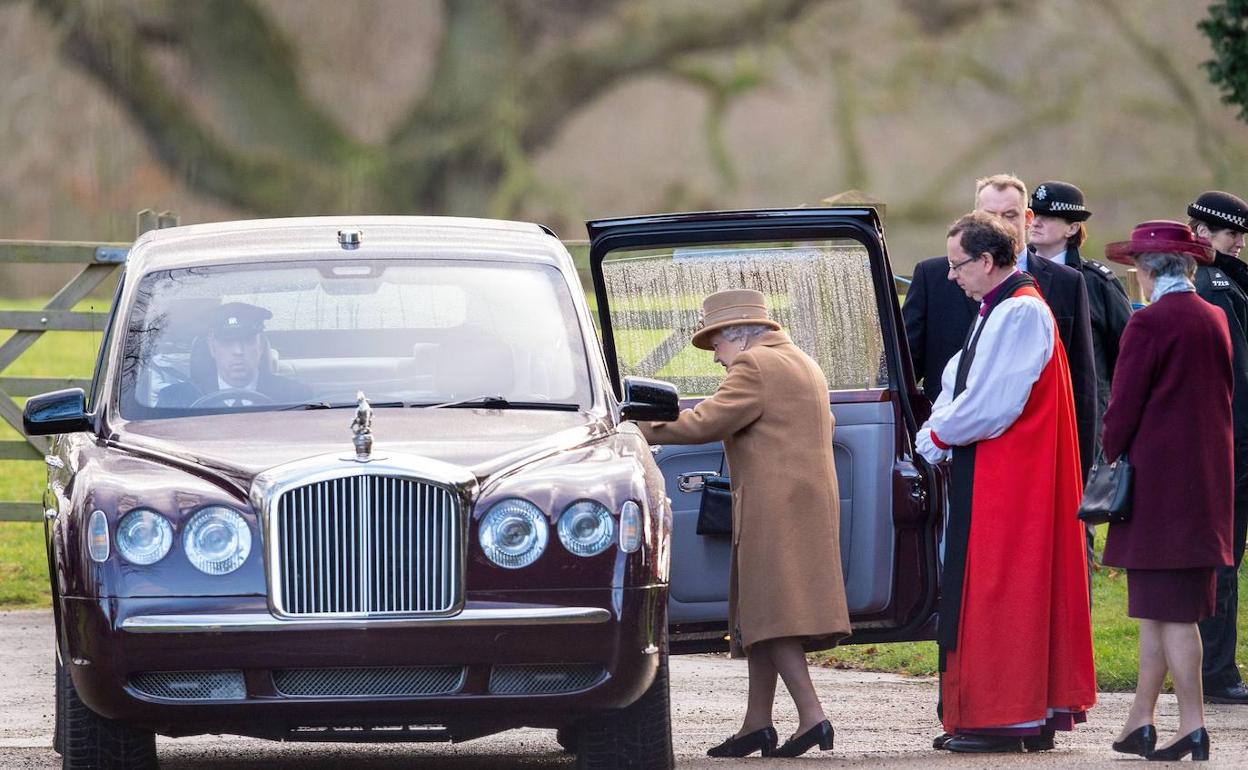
column 281, row 389
column 938, row 315
column 1170, row 410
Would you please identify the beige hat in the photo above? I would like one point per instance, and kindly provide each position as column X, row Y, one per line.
column 731, row 308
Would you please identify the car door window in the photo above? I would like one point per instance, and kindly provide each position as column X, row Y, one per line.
column 821, row 292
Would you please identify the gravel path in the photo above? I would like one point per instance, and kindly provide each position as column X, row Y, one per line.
column 883, row 721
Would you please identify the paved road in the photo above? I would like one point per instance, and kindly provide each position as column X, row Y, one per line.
column 883, row 721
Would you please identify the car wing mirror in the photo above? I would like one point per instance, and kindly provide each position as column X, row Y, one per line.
column 61, row 411
column 651, row 400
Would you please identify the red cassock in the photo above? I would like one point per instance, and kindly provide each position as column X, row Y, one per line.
column 1024, row 636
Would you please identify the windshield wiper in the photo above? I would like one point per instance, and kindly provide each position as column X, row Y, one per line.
column 498, row 402
column 343, row 405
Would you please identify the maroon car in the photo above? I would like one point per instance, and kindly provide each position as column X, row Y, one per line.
column 373, row 479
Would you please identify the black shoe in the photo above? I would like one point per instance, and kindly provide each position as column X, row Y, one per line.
column 1141, row 741
column 1236, row 694
column 966, row 743
column 1042, row 742
column 763, row 740
column 940, row 740
column 821, row 734
column 1194, row 743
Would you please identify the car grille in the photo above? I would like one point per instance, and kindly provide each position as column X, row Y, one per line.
column 368, row 545
column 345, row 682
column 191, row 685
column 543, row 679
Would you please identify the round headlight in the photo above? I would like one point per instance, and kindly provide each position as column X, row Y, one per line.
column 143, row 536
column 217, row 540
column 586, row 528
column 513, row 534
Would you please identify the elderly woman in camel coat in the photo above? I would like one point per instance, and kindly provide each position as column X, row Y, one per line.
column 787, row 592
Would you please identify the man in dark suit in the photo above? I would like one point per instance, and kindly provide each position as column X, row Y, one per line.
column 233, row 375
column 938, row 314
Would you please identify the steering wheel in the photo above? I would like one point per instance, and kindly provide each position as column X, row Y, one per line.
column 220, row 397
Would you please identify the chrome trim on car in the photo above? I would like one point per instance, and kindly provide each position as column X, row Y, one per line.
column 456, row 485
column 260, row 621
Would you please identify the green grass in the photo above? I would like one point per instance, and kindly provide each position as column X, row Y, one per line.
column 23, row 565
column 1114, row 638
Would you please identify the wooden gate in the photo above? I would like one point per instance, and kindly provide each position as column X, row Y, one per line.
column 100, row 261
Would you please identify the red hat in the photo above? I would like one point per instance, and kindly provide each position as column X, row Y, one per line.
column 1160, row 235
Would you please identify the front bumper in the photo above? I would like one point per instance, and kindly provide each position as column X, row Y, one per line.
column 110, row 642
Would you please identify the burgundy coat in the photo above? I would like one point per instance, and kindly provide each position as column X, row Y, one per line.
column 1170, row 409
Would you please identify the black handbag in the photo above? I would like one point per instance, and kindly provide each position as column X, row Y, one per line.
column 715, row 510
column 1107, row 495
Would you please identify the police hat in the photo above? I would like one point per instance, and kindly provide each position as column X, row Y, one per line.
column 1059, row 199
column 238, row 319
column 1220, row 210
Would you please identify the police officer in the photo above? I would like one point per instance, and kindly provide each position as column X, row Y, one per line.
column 1057, row 232
column 1222, row 219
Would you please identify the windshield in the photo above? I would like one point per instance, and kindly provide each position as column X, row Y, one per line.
column 282, row 335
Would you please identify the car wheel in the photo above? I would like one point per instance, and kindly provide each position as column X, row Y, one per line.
column 88, row 740
column 568, row 737
column 638, row 737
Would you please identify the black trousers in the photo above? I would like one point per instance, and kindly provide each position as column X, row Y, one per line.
column 1217, row 634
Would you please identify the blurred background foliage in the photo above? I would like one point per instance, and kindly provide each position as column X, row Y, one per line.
column 561, row 110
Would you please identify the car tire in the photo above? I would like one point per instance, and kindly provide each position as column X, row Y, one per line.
column 58, row 730
column 88, row 740
column 568, row 738
column 637, row 737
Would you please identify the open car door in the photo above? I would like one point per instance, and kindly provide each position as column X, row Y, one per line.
column 828, row 282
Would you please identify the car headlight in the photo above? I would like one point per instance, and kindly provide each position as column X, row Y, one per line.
column 630, row 527
column 513, row 533
column 217, row 540
column 97, row 536
column 143, row 536
column 586, row 528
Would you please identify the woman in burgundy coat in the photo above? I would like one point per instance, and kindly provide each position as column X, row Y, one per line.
column 1170, row 413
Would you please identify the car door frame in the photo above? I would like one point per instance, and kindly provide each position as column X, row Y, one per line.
column 918, row 493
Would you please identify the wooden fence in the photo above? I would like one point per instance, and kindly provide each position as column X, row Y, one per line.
column 99, row 262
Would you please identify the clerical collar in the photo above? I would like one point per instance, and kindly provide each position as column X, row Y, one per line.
column 991, row 296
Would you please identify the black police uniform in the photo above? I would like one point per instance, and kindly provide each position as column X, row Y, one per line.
column 1225, row 283
column 1108, row 310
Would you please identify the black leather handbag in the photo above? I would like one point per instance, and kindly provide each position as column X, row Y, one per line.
column 715, row 510
column 1107, row 495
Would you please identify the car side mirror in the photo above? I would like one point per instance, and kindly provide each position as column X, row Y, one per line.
column 61, row 411
column 651, row 400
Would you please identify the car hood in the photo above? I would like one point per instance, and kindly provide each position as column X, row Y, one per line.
column 486, row 441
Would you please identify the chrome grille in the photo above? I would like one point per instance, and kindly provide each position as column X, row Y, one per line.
column 392, row 680
column 368, row 545
column 543, row 679
column 191, row 685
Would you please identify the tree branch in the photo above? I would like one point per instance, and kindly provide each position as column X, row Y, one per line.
column 105, row 44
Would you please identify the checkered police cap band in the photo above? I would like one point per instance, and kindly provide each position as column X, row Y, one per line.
column 1234, row 219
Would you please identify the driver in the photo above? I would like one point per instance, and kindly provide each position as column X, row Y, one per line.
column 237, row 345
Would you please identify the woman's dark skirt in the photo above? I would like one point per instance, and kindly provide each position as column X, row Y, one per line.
column 1171, row 595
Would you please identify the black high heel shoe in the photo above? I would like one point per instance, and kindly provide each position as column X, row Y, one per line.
column 1141, row 741
column 763, row 740
column 821, row 734
column 1195, row 743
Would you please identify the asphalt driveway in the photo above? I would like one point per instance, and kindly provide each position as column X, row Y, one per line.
column 882, row 721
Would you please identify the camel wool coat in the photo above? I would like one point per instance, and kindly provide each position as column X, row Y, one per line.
column 772, row 413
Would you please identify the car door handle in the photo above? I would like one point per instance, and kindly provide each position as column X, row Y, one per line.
column 694, row 480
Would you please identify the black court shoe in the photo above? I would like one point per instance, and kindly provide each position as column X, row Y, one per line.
column 821, row 734
column 1195, row 743
column 1141, row 741
column 971, row 743
column 940, row 740
column 763, row 740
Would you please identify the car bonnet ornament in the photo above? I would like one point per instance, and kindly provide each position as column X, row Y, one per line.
column 362, row 428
